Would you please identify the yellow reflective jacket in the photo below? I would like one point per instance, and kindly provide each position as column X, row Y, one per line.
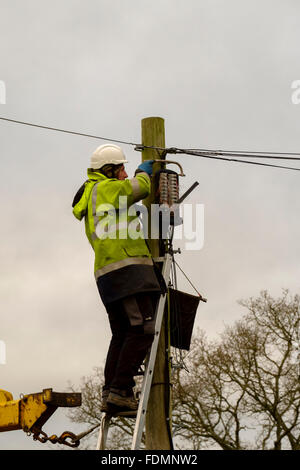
column 123, row 263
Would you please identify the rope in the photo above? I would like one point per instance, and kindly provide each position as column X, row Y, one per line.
column 190, row 281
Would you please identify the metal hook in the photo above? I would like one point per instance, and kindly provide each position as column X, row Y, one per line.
column 171, row 161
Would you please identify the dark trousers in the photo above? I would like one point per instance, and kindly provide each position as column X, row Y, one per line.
column 132, row 322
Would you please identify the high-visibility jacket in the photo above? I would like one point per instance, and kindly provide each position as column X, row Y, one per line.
column 123, row 265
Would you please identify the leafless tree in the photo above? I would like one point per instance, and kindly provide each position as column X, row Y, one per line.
column 241, row 391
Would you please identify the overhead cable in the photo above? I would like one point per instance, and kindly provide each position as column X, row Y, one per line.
column 217, row 157
column 249, row 153
column 203, row 153
column 66, row 131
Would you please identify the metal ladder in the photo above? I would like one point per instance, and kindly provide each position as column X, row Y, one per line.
column 149, row 367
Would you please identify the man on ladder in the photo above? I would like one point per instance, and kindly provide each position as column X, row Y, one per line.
column 123, row 268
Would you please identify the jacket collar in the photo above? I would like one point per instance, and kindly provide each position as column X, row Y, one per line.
column 95, row 175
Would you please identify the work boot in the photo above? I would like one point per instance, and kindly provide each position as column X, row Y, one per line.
column 121, row 400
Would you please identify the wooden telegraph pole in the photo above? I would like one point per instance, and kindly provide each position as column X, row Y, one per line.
column 157, row 426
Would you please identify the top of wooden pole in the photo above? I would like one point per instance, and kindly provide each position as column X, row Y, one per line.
column 153, row 134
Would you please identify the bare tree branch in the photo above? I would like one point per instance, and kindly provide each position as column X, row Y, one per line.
column 240, row 392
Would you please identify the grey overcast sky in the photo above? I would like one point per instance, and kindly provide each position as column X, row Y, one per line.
column 220, row 74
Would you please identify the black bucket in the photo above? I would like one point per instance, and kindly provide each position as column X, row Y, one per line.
column 183, row 309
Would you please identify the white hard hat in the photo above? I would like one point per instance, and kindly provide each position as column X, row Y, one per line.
column 106, row 154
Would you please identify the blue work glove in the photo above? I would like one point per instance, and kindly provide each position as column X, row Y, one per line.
column 146, row 166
